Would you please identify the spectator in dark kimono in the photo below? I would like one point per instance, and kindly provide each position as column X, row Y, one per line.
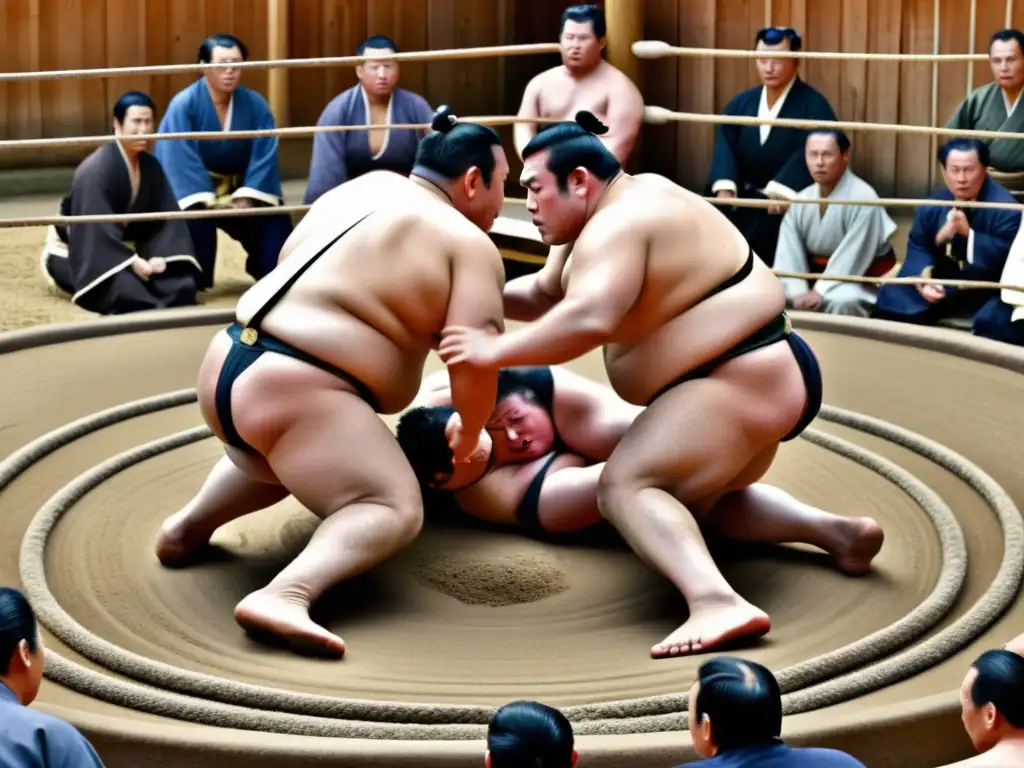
column 766, row 162
column 375, row 100
column 118, row 267
column 960, row 244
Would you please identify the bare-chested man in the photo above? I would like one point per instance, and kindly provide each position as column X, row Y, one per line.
column 336, row 334
column 693, row 326
column 584, row 81
column 539, row 464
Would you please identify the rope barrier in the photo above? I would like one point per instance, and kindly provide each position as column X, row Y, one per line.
column 661, row 116
column 882, row 202
column 323, row 61
column 658, row 49
column 977, row 285
column 260, row 133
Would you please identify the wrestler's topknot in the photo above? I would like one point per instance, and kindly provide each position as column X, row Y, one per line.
column 574, row 144
column 454, row 147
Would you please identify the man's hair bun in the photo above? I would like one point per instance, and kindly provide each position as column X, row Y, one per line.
column 588, row 121
column 444, row 119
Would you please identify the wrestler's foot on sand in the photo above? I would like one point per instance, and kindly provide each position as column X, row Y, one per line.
column 711, row 624
column 177, row 541
column 277, row 619
column 861, row 539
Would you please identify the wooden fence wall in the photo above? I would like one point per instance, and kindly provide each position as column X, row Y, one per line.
column 68, row 34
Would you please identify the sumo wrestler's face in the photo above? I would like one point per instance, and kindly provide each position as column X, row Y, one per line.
column 379, row 75
column 521, row 430
column 581, row 48
column 559, row 212
column 479, row 202
column 137, row 121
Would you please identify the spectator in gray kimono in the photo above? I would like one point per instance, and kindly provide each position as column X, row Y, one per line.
column 342, row 155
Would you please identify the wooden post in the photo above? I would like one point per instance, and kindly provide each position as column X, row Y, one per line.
column 625, row 20
column 277, row 48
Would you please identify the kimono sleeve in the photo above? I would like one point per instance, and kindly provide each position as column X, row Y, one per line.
column 180, row 158
column 262, row 180
column 725, row 172
column 327, row 166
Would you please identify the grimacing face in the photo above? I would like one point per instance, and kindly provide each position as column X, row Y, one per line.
column 558, row 214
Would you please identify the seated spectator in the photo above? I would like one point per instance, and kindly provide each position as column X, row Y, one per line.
column 529, row 734
column 765, row 161
column 228, row 172
column 992, row 710
column 834, row 239
column 29, row 737
column 736, row 721
column 375, row 100
column 950, row 243
column 994, row 107
column 116, row 267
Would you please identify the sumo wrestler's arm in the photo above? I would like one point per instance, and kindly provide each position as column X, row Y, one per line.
column 624, row 119
column 529, row 108
column 530, row 296
column 607, row 273
column 590, row 418
column 477, row 277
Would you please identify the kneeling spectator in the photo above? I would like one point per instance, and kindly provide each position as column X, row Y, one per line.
column 736, row 721
column 840, row 240
column 527, row 733
column 992, row 710
column 949, row 243
column 27, row 736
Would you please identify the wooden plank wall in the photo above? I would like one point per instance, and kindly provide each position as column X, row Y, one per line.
column 885, row 92
column 66, row 34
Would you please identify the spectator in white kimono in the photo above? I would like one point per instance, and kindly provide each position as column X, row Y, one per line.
column 339, row 156
column 834, row 239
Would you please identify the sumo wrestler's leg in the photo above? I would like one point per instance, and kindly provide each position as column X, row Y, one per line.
column 766, row 514
column 691, row 442
column 228, row 493
column 341, row 461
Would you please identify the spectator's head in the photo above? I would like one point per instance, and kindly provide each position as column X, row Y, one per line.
column 134, row 115
column 468, row 162
column 776, row 72
column 1006, row 57
column 827, row 152
column 565, row 167
column 21, row 648
column 581, row 35
column 992, row 698
column 964, row 166
column 526, row 734
column 734, row 703
column 223, row 49
column 379, row 75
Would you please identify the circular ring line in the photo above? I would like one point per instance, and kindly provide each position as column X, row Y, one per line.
column 33, row 571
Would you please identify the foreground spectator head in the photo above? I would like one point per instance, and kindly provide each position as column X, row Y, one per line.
column 992, row 698
column 21, row 648
column 734, row 703
column 527, row 733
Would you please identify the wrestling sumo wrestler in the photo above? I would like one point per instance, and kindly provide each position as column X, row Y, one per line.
column 328, row 340
column 539, row 463
column 693, row 327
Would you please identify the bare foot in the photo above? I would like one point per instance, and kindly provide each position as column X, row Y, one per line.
column 276, row 619
column 862, row 539
column 176, row 542
column 713, row 624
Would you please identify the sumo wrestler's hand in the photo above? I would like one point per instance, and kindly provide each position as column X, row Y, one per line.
column 468, row 346
column 462, row 444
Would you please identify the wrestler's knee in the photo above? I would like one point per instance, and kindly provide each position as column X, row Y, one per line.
column 618, row 485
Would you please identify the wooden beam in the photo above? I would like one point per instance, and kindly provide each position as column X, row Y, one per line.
column 625, row 19
column 277, row 48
